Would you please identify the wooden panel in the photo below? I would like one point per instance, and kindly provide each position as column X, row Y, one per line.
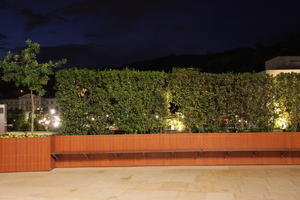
column 33, row 154
column 25, row 154
column 148, row 142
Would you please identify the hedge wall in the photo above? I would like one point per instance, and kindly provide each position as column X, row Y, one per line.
column 224, row 102
column 94, row 101
column 288, row 100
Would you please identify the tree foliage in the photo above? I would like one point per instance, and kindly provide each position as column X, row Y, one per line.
column 25, row 70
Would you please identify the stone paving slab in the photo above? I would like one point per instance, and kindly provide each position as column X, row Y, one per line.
column 147, row 183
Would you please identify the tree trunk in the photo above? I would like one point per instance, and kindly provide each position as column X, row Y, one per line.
column 32, row 112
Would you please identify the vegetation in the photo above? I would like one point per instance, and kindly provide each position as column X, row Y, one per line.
column 22, row 135
column 239, row 60
column 288, row 101
column 18, row 121
column 25, row 70
column 95, row 102
column 224, row 102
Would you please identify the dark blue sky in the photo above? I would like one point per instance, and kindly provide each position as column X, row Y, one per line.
column 116, row 32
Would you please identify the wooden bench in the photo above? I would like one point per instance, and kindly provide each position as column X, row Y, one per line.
column 284, row 151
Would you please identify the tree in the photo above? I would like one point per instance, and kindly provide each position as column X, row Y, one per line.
column 25, row 70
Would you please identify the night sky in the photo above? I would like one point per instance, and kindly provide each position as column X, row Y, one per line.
column 111, row 33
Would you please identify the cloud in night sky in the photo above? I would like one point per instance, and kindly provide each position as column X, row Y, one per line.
column 38, row 19
column 3, row 37
column 3, row 4
column 121, row 10
column 118, row 11
column 3, row 42
column 79, row 55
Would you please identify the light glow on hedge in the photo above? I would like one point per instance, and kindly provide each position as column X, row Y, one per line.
column 175, row 124
column 281, row 122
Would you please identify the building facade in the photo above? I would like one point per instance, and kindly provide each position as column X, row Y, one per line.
column 24, row 103
column 282, row 64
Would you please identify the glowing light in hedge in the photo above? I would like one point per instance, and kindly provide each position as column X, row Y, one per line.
column 175, row 124
column 282, row 120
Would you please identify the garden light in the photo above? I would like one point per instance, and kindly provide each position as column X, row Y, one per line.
column 176, row 124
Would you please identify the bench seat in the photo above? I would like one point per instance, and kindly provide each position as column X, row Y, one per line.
column 56, row 155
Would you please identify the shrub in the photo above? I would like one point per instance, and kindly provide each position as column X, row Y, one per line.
column 23, row 135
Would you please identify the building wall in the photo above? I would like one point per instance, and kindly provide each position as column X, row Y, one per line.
column 275, row 72
column 3, row 117
column 283, row 62
column 24, row 103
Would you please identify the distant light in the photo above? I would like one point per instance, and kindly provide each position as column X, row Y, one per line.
column 156, row 116
column 56, row 124
column 93, row 119
column 52, row 111
column 43, row 121
column 56, row 118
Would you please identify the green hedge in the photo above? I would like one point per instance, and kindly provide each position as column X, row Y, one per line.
column 220, row 102
column 288, row 100
column 93, row 101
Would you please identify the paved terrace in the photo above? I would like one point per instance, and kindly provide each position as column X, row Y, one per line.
column 143, row 183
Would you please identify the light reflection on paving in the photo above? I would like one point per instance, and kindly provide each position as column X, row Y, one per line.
column 178, row 183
